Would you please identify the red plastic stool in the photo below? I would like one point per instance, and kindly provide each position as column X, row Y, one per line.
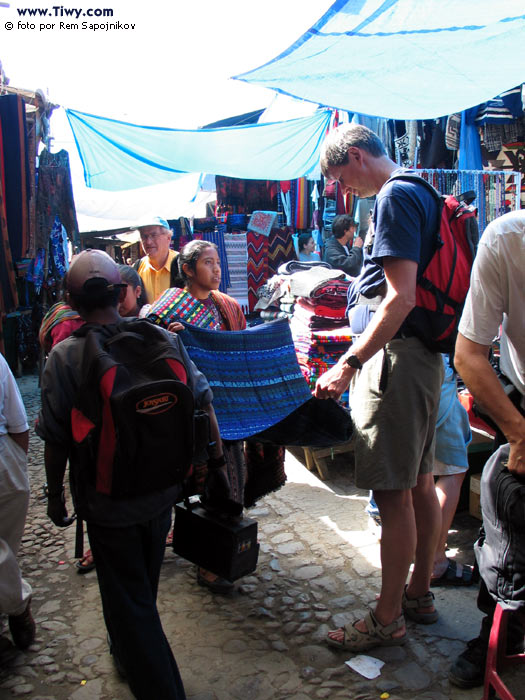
column 497, row 657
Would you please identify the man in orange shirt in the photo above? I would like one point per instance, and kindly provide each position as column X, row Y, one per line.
column 158, row 268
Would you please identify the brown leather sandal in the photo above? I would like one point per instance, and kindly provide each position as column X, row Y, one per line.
column 377, row 635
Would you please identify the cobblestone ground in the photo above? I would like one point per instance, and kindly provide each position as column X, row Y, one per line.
column 318, row 568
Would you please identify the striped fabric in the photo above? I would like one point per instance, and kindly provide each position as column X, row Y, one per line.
column 301, row 203
column 230, row 310
column 237, row 254
column 257, row 265
column 177, row 304
column 57, row 314
column 254, row 375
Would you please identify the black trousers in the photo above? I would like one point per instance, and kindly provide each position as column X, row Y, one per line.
column 128, row 563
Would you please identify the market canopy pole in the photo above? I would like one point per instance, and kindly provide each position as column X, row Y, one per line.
column 121, row 156
column 403, row 59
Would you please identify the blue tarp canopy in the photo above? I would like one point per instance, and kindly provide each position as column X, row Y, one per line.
column 403, row 59
column 121, row 156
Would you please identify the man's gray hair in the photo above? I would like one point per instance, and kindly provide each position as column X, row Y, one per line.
column 334, row 151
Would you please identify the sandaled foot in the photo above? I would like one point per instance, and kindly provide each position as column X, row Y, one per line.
column 455, row 574
column 377, row 635
column 216, row 584
column 420, row 609
column 86, row 564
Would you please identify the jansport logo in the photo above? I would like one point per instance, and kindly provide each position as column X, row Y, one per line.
column 156, row 404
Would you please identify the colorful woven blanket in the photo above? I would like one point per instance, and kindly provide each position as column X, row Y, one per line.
column 254, row 375
column 176, row 304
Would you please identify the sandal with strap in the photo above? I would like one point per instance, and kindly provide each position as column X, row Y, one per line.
column 86, row 564
column 412, row 605
column 377, row 635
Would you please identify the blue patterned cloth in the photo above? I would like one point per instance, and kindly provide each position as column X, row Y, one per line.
column 254, row 375
column 217, row 237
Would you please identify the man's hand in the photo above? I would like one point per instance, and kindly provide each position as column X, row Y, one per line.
column 333, row 383
column 358, row 242
column 57, row 511
column 516, row 463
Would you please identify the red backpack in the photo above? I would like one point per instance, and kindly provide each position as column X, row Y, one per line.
column 443, row 285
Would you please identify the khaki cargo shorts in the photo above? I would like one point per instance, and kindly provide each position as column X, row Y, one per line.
column 394, row 401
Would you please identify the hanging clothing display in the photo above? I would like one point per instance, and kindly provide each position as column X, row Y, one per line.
column 54, row 197
column 280, row 248
column 16, row 173
column 8, row 291
column 301, row 204
column 257, row 248
column 237, row 253
column 218, row 239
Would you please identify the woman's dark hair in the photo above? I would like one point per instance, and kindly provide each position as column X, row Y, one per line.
column 131, row 276
column 303, row 240
column 190, row 255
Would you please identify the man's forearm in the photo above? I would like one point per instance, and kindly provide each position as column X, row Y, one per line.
column 471, row 361
column 382, row 328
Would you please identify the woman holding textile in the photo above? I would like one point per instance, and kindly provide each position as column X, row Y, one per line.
column 203, row 305
column 200, row 277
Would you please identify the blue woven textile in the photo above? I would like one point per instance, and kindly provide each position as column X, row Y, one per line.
column 218, row 239
column 254, row 375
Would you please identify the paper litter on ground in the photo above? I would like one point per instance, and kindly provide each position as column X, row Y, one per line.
column 367, row 666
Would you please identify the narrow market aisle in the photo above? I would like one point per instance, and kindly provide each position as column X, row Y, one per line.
column 318, row 567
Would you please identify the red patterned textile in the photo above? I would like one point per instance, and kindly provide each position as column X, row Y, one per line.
column 257, row 265
column 280, row 248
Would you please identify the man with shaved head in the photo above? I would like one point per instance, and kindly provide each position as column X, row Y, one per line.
column 127, row 535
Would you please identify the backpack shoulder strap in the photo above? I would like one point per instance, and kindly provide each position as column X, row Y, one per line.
column 412, row 177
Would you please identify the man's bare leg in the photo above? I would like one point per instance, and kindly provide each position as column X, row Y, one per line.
column 448, row 490
column 398, row 545
column 428, row 522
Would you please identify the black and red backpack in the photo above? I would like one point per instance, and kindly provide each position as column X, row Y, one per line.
column 443, row 285
column 132, row 419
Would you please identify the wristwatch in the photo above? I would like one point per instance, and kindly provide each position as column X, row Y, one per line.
column 354, row 361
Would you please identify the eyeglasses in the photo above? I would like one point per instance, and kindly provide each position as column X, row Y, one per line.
column 151, row 236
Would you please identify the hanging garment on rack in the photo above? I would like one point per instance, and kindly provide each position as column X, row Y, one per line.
column 8, row 290
column 504, row 108
column 257, row 265
column 301, row 204
column 16, row 173
column 237, row 253
column 280, row 248
column 54, row 197
column 32, row 151
column 218, row 238
column 452, row 131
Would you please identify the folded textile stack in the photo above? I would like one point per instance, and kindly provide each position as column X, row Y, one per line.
column 275, row 299
column 320, row 329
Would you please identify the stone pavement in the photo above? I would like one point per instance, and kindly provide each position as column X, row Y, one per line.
column 318, row 568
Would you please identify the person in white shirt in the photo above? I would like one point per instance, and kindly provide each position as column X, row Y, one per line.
column 496, row 298
column 15, row 592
